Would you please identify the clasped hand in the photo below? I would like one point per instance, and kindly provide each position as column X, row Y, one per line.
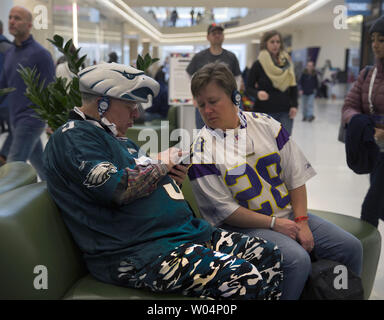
column 296, row 231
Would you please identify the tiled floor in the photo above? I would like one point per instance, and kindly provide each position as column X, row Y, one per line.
column 335, row 187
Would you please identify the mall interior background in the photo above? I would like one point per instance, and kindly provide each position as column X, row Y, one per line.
column 102, row 29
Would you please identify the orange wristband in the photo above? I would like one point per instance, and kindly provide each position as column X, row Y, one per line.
column 301, row 218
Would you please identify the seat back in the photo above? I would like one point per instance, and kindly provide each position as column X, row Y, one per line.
column 154, row 132
column 172, row 118
column 186, row 188
column 39, row 259
column 16, row 174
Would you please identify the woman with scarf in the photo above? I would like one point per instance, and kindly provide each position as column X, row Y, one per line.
column 272, row 83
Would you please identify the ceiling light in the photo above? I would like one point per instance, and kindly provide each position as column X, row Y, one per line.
column 300, row 8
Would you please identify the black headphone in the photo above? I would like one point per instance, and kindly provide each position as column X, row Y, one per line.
column 103, row 105
column 236, row 97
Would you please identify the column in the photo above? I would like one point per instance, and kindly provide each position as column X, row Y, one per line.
column 133, row 45
column 253, row 50
column 155, row 52
column 145, row 48
column 5, row 7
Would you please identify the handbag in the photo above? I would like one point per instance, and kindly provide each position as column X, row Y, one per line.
column 343, row 126
column 331, row 280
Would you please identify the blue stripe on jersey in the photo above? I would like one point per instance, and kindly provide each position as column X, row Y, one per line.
column 201, row 170
column 282, row 138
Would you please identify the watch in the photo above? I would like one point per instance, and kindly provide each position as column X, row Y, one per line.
column 272, row 223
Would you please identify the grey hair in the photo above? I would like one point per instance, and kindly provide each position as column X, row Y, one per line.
column 88, row 98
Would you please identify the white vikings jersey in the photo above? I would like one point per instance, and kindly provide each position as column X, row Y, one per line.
column 252, row 166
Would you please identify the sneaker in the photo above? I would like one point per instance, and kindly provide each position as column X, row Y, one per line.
column 304, row 119
column 311, row 118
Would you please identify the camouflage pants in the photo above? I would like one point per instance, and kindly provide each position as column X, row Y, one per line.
column 231, row 266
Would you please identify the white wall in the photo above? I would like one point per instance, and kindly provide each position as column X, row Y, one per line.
column 5, row 7
column 332, row 42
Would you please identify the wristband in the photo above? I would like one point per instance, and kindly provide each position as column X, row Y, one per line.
column 301, row 218
column 272, row 223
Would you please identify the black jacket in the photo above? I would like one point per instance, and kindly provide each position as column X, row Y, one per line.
column 360, row 146
column 278, row 101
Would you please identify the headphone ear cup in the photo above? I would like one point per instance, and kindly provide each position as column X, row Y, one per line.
column 236, row 97
column 103, row 105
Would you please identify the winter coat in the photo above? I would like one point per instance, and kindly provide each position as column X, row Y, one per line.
column 356, row 101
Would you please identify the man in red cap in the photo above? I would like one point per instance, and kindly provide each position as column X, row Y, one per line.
column 215, row 36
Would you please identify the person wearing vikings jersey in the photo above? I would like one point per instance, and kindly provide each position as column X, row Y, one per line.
column 126, row 211
column 249, row 176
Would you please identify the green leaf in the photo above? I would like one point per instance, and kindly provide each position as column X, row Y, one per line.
column 144, row 63
column 68, row 45
column 147, row 60
column 58, row 40
column 53, row 102
column 140, row 63
column 6, row 91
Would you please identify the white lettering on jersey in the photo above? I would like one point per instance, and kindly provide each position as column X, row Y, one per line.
column 68, row 126
column 176, row 195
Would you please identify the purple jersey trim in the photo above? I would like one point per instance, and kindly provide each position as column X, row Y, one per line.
column 201, row 170
column 282, row 138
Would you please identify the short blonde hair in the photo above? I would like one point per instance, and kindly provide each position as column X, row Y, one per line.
column 217, row 72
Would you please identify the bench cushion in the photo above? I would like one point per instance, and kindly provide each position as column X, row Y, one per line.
column 370, row 239
column 32, row 233
column 16, row 174
column 88, row 288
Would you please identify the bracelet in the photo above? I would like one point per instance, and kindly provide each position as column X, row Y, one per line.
column 301, row 218
column 272, row 223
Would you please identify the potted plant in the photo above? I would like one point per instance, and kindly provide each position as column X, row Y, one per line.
column 53, row 102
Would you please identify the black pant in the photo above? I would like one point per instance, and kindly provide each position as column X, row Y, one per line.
column 373, row 205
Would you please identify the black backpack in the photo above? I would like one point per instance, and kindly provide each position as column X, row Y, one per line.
column 326, row 283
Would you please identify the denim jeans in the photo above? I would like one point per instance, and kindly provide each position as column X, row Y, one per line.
column 331, row 242
column 307, row 105
column 26, row 145
column 284, row 119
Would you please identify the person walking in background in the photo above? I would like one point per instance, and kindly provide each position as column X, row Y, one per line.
column 5, row 45
column 192, row 13
column 198, row 17
column 363, row 112
column 174, row 17
column 216, row 52
column 308, row 85
column 272, row 83
column 112, row 57
column 160, row 106
column 326, row 79
column 26, row 126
